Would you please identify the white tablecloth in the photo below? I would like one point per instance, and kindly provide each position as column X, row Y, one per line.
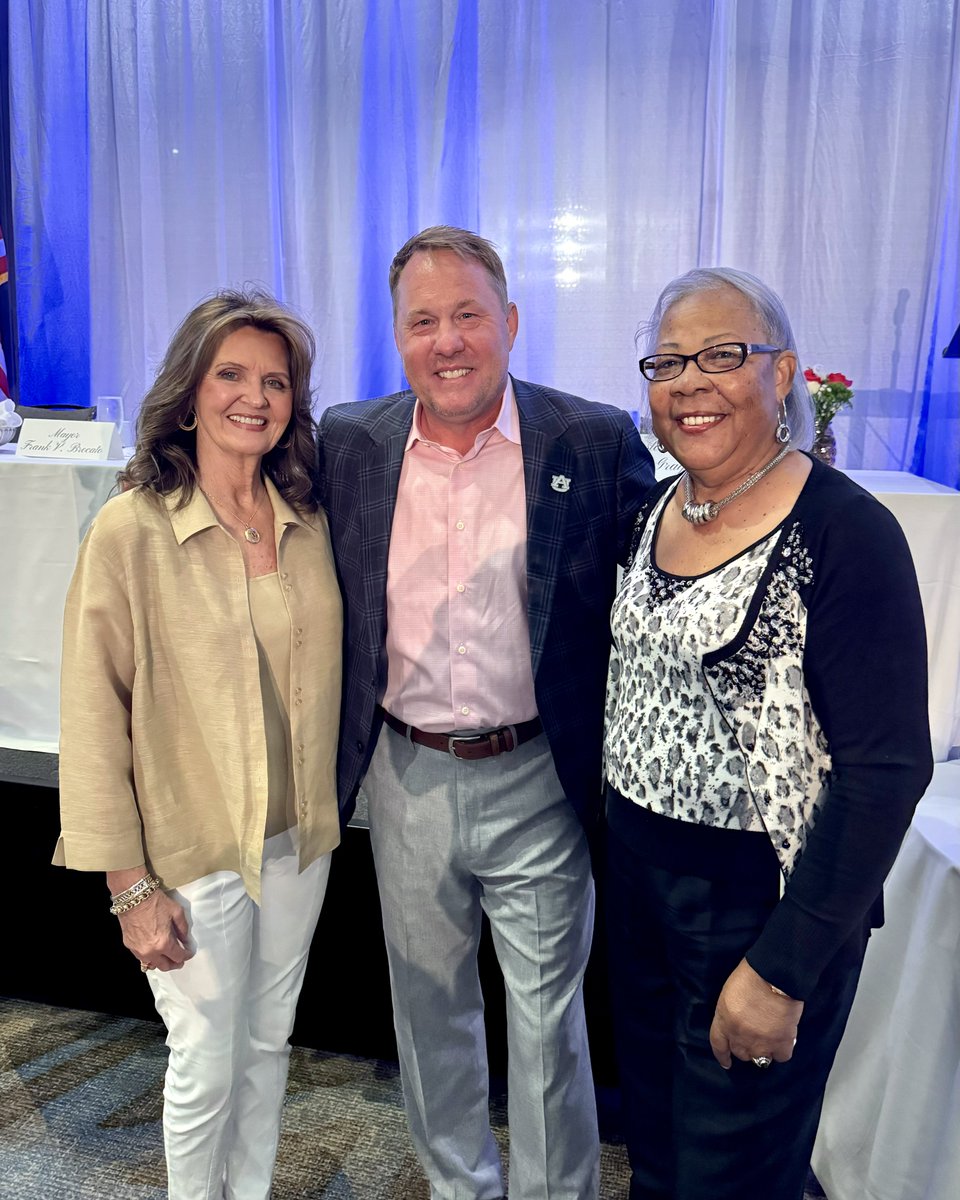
column 45, row 509
column 891, row 1119
column 929, row 514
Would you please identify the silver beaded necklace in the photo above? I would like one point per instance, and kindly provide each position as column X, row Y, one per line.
column 700, row 514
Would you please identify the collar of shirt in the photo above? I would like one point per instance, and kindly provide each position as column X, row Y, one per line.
column 507, row 425
column 197, row 514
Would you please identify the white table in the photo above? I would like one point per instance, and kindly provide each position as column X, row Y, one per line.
column 929, row 515
column 891, row 1119
column 45, row 510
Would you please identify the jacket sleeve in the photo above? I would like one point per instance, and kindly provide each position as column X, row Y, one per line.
column 320, row 474
column 100, row 821
column 865, row 671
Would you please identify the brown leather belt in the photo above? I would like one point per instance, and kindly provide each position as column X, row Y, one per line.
column 471, row 745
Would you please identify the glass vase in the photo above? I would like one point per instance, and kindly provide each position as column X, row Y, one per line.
column 825, row 446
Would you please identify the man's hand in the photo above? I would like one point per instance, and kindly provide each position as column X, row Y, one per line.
column 753, row 1020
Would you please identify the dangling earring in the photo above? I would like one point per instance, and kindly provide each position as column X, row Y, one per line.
column 191, row 423
column 783, row 429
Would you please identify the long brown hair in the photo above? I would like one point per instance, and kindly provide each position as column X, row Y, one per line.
column 165, row 458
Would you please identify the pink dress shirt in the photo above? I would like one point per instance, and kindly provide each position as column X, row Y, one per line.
column 458, row 641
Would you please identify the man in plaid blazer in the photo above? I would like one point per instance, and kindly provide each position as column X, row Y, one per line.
column 477, row 522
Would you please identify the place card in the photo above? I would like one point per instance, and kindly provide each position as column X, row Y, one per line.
column 664, row 464
column 97, row 440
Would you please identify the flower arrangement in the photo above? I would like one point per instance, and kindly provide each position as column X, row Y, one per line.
column 830, row 393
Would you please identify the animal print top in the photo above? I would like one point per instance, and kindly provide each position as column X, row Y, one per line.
column 827, row 648
column 708, row 719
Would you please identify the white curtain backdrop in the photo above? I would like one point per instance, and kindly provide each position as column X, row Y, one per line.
column 604, row 145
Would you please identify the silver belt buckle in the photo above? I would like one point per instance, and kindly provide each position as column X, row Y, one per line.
column 494, row 742
column 471, row 739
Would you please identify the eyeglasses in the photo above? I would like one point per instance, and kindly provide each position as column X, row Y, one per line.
column 714, row 360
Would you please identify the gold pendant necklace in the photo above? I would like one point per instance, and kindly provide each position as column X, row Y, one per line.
column 250, row 533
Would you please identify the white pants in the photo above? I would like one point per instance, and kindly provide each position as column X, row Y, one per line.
column 229, row 1012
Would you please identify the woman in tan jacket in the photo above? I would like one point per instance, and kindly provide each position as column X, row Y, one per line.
column 199, row 712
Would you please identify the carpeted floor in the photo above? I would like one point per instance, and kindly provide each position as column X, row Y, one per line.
column 80, row 1099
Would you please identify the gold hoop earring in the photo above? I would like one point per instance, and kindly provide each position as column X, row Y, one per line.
column 191, row 424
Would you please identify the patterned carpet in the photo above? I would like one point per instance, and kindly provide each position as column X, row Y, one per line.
column 80, row 1097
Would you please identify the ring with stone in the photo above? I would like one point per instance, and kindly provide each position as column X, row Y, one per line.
column 762, row 1060
column 145, row 967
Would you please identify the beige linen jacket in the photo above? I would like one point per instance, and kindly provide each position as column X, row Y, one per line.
column 163, row 755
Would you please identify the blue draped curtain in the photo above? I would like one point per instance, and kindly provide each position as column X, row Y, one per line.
column 8, row 346
column 162, row 149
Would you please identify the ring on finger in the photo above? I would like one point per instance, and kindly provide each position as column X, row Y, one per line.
column 762, row 1060
column 145, row 967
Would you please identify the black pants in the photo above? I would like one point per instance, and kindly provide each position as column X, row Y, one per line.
column 694, row 1131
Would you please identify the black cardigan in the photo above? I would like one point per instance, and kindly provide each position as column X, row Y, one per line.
column 865, row 671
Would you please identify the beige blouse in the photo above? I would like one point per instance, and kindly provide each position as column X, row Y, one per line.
column 163, row 744
column 271, row 628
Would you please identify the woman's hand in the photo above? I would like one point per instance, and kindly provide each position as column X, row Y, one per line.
column 752, row 1020
column 155, row 931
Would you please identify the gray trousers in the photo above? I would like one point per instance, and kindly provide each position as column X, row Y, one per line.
column 450, row 839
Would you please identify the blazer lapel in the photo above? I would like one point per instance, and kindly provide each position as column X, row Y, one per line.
column 549, row 477
column 377, row 483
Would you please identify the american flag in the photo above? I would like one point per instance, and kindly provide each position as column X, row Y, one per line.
column 4, row 384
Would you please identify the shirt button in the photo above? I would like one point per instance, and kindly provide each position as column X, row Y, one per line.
column 465, row 710
column 460, row 525
column 461, row 649
column 285, row 575
column 461, row 587
column 298, row 644
column 299, row 632
column 298, row 701
column 299, row 745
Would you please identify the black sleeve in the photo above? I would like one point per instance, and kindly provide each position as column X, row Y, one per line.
column 865, row 670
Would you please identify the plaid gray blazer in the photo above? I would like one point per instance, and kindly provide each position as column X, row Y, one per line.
column 575, row 539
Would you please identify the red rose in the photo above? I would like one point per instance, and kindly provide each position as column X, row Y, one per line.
column 811, row 375
column 836, row 377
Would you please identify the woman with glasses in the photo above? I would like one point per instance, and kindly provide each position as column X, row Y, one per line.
column 766, row 744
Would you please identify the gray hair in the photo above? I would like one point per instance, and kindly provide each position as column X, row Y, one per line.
column 466, row 245
column 772, row 316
